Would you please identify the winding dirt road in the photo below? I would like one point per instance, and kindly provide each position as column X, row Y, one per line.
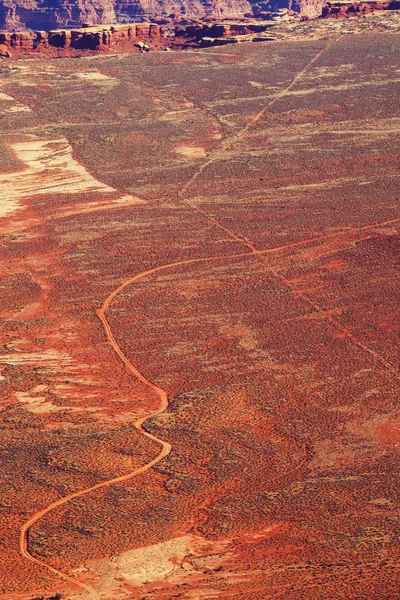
column 161, row 393
column 165, row 446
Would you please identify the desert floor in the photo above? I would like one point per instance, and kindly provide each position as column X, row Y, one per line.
column 212, row 236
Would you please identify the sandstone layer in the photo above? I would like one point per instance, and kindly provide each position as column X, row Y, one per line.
column 91, row 38
column 126, row 37
column 51, row 14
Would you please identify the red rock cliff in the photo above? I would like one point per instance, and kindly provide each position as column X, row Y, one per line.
column 51, row 14
column 88, row 38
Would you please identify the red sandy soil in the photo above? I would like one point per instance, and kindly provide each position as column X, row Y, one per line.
column 198, row 259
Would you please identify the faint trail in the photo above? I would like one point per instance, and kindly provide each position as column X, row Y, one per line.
column 341, row 328
column 220, row 151
column 238, row 136
column 328, row 235
column 337, row 325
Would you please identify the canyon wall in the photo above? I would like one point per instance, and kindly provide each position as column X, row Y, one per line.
column 51, row 14
column 90, row 38
column 133, row 35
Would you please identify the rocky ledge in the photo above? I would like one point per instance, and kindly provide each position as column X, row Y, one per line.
column 85, row 38
column 352, row 9
column 139, row 36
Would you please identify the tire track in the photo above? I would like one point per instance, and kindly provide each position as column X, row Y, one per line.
column 219, row 152
column 238, row 136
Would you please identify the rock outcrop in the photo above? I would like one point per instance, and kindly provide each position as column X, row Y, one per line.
column 130, row 36
column 223, row 30
column 127, row 36
column 353, row 9
column 4, row 51
column 88, row 38
column 311, row 8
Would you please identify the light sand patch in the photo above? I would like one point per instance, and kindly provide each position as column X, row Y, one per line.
column 29, row 311
column 94, row 206
column 182, row 556
column 173, row 562
column 27, row 84
column 50, row 168
column 337, row 71
column 245, row 336
column 96, row 78
column 47, row 358
column 145, row 565
column 35, row 403
column 193, row 152
column 381, row 502
column 92, row 75
column 153, row 563
column 20, row 67
column 18, row 108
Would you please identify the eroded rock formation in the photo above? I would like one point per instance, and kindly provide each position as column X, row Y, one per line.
column 102, row 37
column 89, row 38
column 351, row 9
column 52, row 14
column 223, row 30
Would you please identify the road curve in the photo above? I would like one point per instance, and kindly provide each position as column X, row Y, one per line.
column 165, row 446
